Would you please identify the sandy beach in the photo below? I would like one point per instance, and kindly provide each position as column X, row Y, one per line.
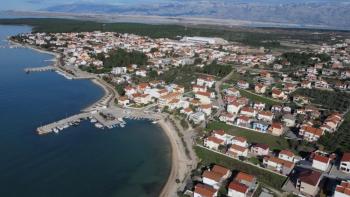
column 181, row 164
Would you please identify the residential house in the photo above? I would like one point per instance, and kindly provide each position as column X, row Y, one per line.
column 243, row 121
column 198, row 88
column 215, row 176
column 261, row 126
column 220, row 134
column 123, row 101
column 197, row 117
column 287, row 155
column 236, row 189
column 206, row 81
column 232, row 92
column 206, row 109
column 278, row 94
column 289, row 120
column 240, row 141
column 213, row 142
column 234, row 107
column 227, row 117
column 308, row 182
column 245, row 179
column 201, row 190
column 342, row 190
column 345, row 163
column 142, row 98
column 248, row 111
column 204, row 97
column 276, row 129
column 237, row 151
column 260, row 88
column 279, row 165
column 260, row 149
column 321, row 84
column 310, row 133
column 306, row 84
column 320, row 162
column 265, row 115
column 259, row 106
column 243, row 84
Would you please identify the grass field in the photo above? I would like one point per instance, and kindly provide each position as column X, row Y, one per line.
column 275, row 143
column 208, row 157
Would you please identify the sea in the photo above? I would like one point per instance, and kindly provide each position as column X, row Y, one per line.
column 81, row 161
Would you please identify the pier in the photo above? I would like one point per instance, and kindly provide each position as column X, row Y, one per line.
column 104, row 118
column 40, row 69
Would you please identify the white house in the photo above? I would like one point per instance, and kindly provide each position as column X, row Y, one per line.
column 342, row 190
column 236, row 189
column 345, row 163
column 201, row 190
column 234, row 107
column 321, row 162
column 213, row 142
column 286, row 155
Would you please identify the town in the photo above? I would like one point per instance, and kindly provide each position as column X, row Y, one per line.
column 262, row 123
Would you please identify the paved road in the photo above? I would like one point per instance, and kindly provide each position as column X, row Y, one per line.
column 218, row 92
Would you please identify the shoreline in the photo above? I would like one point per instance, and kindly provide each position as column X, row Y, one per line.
column 179, row 165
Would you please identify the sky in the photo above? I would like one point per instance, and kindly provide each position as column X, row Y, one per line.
column 38, row 4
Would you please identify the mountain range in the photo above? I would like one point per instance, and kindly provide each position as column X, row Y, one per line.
column 323, row 13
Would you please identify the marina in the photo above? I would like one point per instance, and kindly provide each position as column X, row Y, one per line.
column 104, row 118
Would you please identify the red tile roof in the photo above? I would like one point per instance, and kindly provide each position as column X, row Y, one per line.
column 346, row 157
column 212, row 175
column 245, row 177
column 215, row 140
column 321, row 158
column 310, row 177
column 287, row 152
column 234, row 185
column 220, row 169
column 204, row 190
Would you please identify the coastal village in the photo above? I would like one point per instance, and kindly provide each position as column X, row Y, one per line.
column 254, row 121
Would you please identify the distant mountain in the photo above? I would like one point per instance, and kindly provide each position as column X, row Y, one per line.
column 327, row 13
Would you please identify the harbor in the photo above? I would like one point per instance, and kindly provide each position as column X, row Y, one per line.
column 104, row 118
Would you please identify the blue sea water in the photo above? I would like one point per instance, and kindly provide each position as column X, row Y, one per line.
column 79, row 161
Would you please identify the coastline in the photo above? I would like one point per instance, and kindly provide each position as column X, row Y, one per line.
column 179, row 161
column 181, row 165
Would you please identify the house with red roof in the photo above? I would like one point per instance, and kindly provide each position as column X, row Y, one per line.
column 204, row 97
column 277, row 164
column 237, row 151
column 308, row 182
column 342, row 190
column 213, row 142
column 246, row 179
column 265, row 115
column 260, row 88
column 236, row 189
column 321, row 162
column 234, row 107
column 215, row 176
column 248, row 111
column 287, row 155
column 310, row 133
column 227, row 118
column 276, row 129
column 345, row 163
column 260, row 149
column 278, row 94
column 244, row 121
column 201, row 190
column 240, row 141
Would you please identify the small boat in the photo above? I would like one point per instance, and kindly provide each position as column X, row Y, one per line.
column 122, row 125
column 55, row 130
column 93, row 120
column 98, row 125
column 154, row 122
